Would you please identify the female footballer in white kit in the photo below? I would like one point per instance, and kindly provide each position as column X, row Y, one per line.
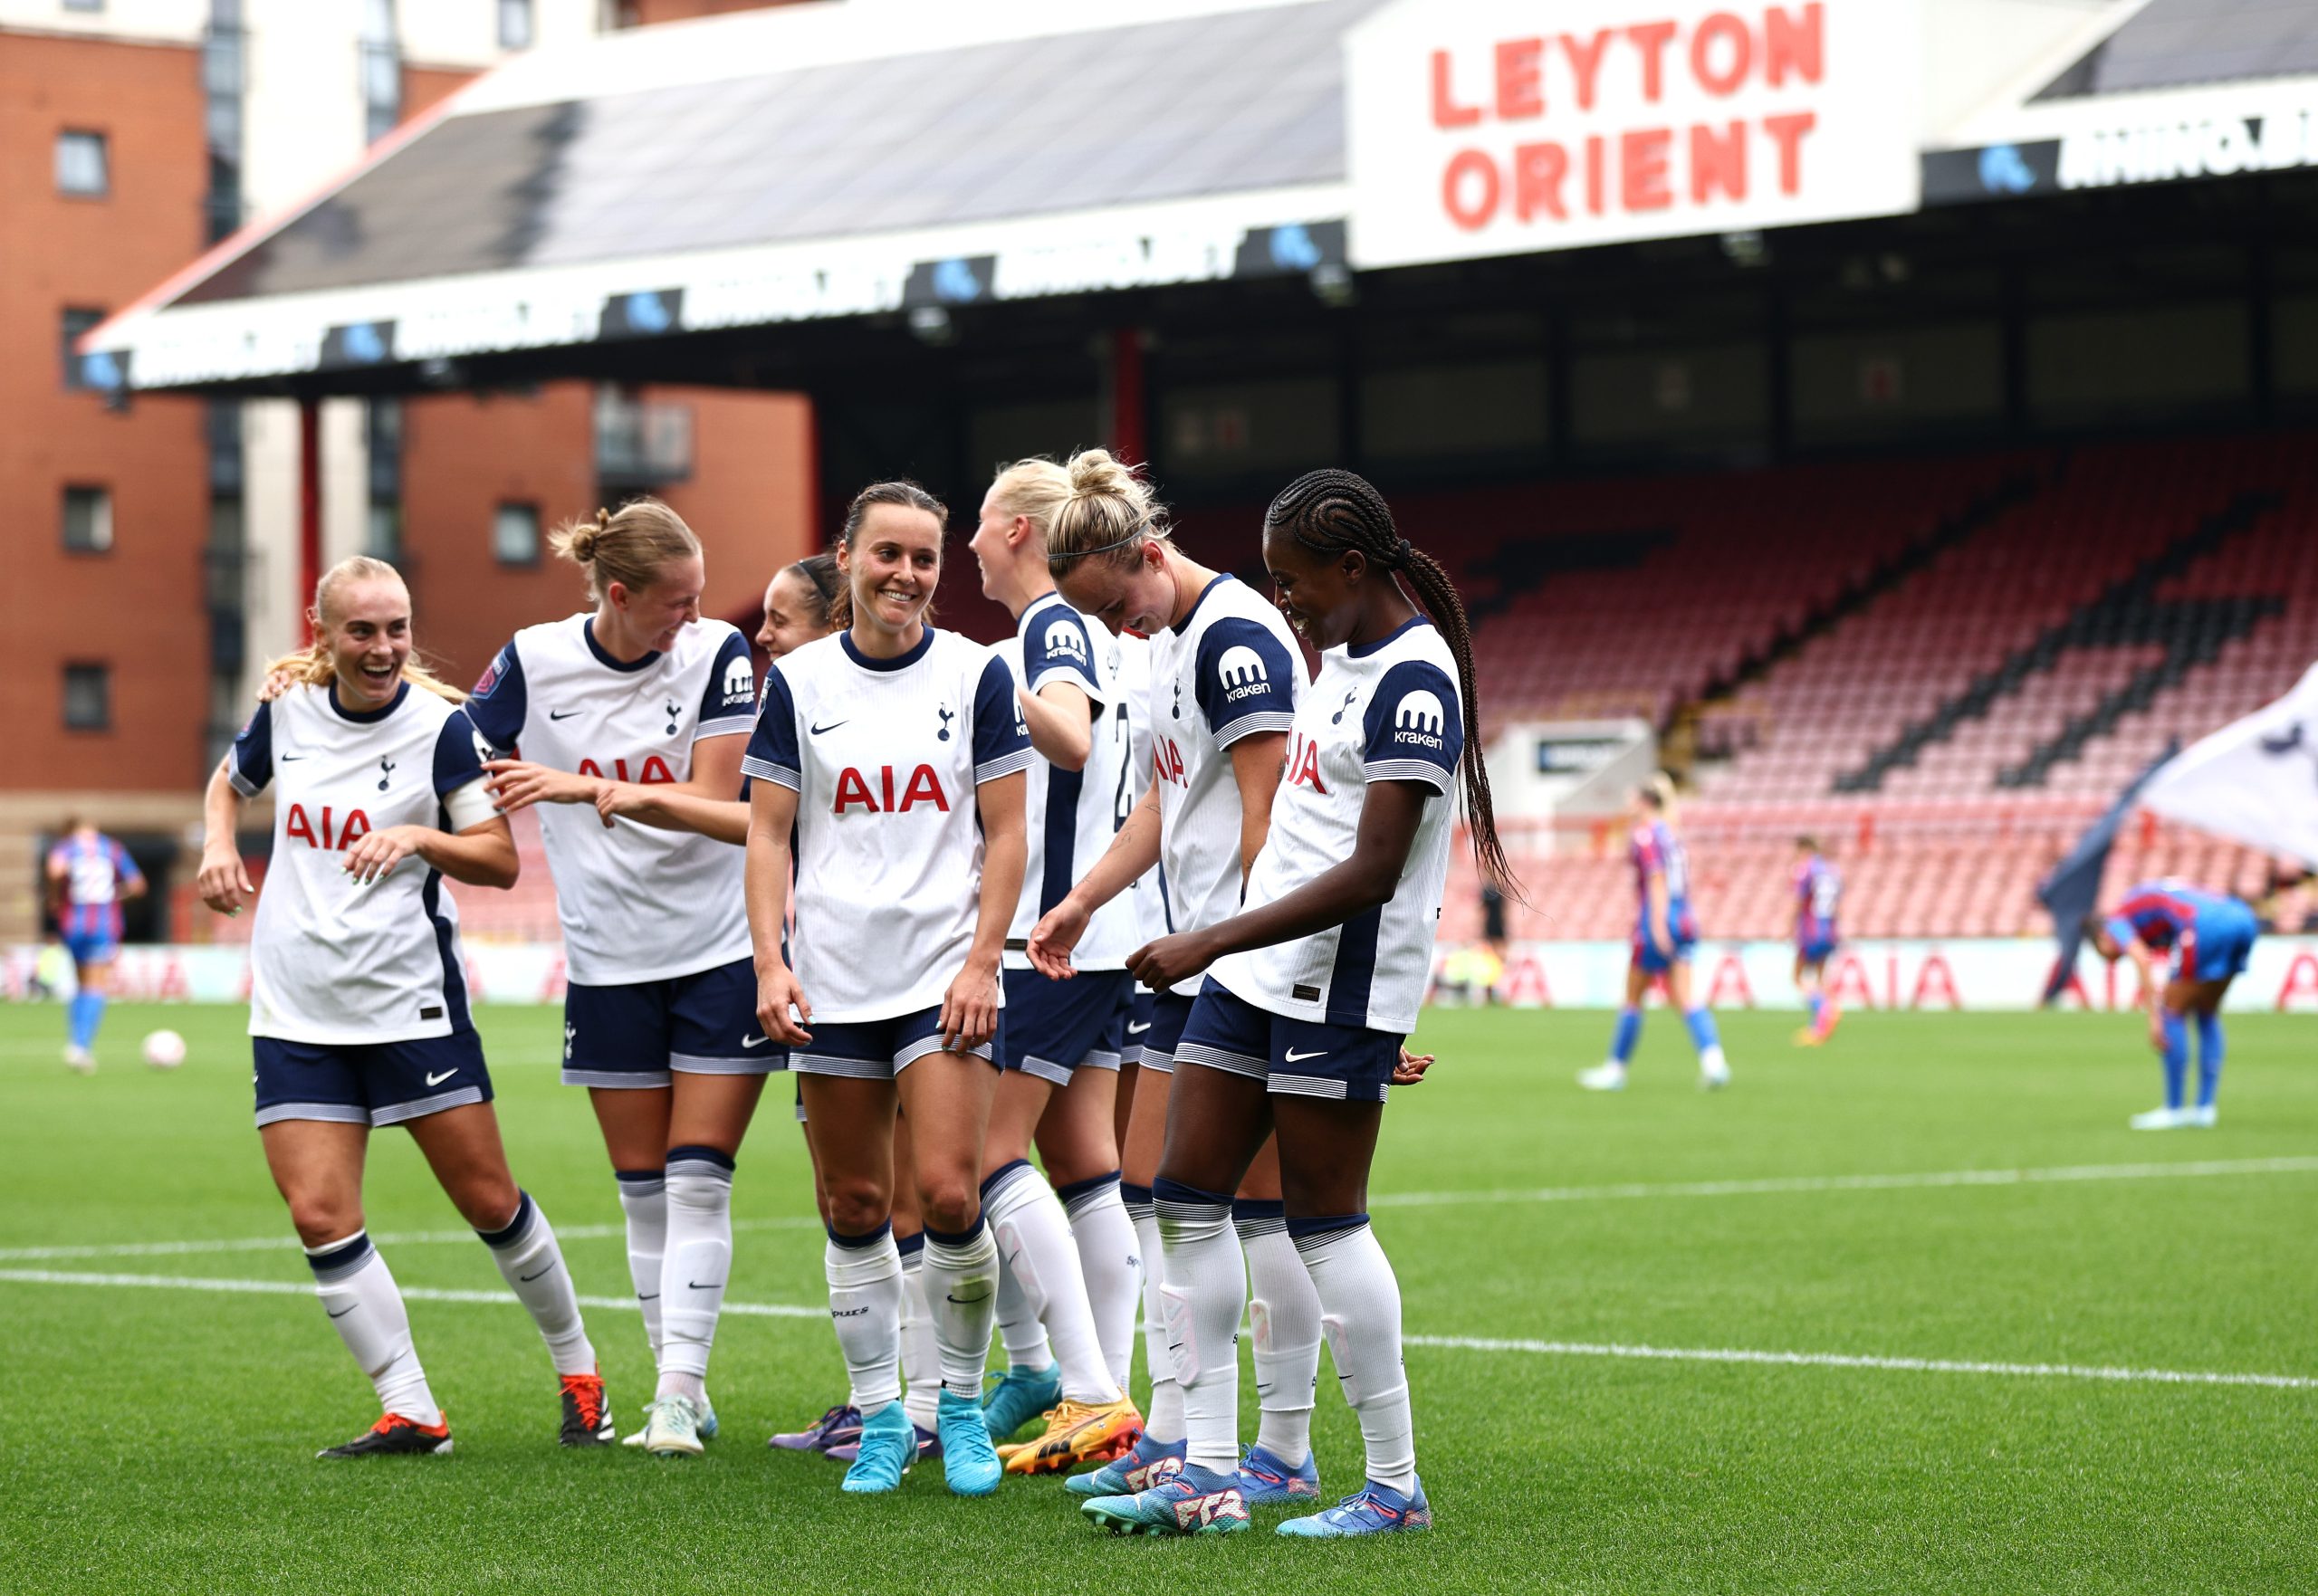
column 1069, row 1271
column 893, row 754
column 639, row 703
column 1225, row 678
column 358, row 1000
column 1317, row 980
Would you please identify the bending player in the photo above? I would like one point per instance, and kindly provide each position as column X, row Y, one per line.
column 627, row 720
column 1316, row 983
column 89, row 876
column 1664, row 936
column 1225, row 679
column 2188, row 944
column 1065, row 1245
column 1818, row 886
column 893, row 754
column 357, row 1010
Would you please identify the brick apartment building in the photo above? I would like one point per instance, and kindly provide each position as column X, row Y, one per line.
column 153, row 547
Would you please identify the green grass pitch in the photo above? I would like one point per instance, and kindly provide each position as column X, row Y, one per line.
column 162, row 1439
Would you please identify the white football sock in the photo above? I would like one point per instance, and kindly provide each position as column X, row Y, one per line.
column 365, row 1307
column 921, row 1354
column 1204, row 1293
column 1165, row 1421
column 865, row 1277
column 533, row 1265
column 960, row 1287
column 1032, row 1234
column 1020, row 1329
column 1360, row 1302
column 1110, row 1264
column 643, row 1198
column 1284, row 1319
column 698, row 1262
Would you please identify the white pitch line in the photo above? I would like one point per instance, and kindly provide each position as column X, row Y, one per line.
column 1775, row 1184
column 163, row 1249
column 1584, row 1349
column 1383, row 1199
column 1469, row 1344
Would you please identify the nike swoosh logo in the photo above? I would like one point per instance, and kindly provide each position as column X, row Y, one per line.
column 286, row 759
column 648, row 1296
column 754, row 1041
column 527, row 1279
column 968, row 1302
column 696, row 1285
column 560, row 714
column 438, row 1080
column 832, row 726
column 1137, row 1030
column 1294, row 1057
column 344, row 1311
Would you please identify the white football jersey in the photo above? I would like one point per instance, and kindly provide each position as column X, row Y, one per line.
column 1229, row 670
column 1071, row 815
column 331, row 961
column 885, row 757
column 637, row 903
column 1388, row 712
column 1150, row 893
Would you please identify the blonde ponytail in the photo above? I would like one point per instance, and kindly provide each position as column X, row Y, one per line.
column 311, row 665
column 1106, row 511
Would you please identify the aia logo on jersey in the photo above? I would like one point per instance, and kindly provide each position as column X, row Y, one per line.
column 1304, row 765
column 1167, row 761
column 1067, row 640
column 1241, row 671
column 654, row 772
column 924, row 787
column 302, row 827
column 1420, row 719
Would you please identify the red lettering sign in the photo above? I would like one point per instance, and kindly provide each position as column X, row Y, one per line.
column 301, row 828
column 922, row 787
column 2300, row 981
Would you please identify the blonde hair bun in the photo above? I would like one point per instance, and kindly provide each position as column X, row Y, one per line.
column 628, row 547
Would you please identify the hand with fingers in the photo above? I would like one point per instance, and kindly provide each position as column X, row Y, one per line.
column 970, row 1008
column 1409, row 1070
column 1052, row 939
column 375, row 854
column 517, row 784
column 777, row 994
column 223, row 881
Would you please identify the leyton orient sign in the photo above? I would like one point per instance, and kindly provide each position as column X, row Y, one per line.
column 1501, row 127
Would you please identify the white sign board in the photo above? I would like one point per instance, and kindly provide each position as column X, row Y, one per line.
column 1503, row 127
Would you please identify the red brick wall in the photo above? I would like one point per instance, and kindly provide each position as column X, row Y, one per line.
column 138, row 607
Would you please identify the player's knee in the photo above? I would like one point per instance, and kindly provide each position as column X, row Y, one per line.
column 320, row 1218
column 487, row 1202
column 853, row 1207
column 948, row 1201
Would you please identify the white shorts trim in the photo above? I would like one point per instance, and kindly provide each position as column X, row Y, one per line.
column 1237, row 1064
column 632, row 1080
column 400, row 1111
column 693, row 1065
column 335, row 1113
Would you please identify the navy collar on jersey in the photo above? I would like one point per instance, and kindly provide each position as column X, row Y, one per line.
column 898, row 663
column 1363, row 650
column 364, row 717
column 1180, row 627
column 588, row 630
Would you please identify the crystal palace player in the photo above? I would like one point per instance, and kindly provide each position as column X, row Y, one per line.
column 640, row 705
column 357, row 1010
column 893, row 755
column 89, row 876
column 1317, row 983
column 2203, row 939
column 1225, row 680
column 1067, row 1249
column 1818, row 887
column 1663, row 935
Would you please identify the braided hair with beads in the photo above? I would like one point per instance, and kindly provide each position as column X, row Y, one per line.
column 1332, row 512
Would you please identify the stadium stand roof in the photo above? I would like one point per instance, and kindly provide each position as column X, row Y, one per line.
column 581, row 206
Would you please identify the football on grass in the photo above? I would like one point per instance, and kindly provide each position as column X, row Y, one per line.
column 164, row 1049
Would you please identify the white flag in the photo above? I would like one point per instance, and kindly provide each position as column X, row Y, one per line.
column 2255, row 780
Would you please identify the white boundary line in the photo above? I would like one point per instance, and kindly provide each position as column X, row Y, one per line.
column 1387, row 1200
column 1471, row 1343
column 1804, row 1183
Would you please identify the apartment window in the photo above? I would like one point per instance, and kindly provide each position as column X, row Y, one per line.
column 381, row 70
column 514, row 24
column 76, row 322
column 88, row 519
column 87, row 698
column 83, row 167
column 515, row 534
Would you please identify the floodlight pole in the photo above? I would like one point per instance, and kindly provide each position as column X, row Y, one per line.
column 309, row 511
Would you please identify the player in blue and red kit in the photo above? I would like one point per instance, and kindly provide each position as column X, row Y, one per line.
column 1818, row 886
column 1664, row 933
column 89, row 876
column 2205, row 938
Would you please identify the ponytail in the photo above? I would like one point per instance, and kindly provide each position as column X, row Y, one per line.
column 1104, row 511
column 1332, row 512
